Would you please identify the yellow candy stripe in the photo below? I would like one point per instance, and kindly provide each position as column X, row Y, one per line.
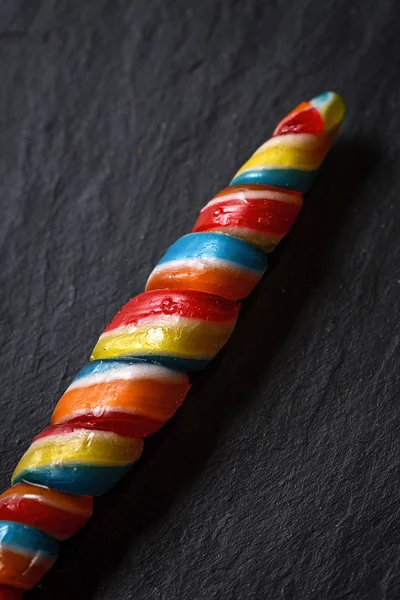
column 301, row 151
column 332, row 112
column 183, row 338
column 86, row 447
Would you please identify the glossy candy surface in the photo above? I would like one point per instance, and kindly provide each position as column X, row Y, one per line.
column 85, row 460
column 291, row 158
column 25, row 554
column 179, row 329
column 257, row 214
column 137, row 377
column 57, row 514
column 212, row 263
column 135, row 397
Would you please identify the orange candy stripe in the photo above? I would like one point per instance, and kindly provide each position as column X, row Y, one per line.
column 151, row 398
column 233, row 284
column 18, row 570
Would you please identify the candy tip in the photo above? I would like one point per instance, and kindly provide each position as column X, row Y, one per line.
column 331, row 107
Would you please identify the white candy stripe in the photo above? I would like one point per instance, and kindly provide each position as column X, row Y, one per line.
column 277, row 168
column 305, row 141
column 280, row 196
column 244, row 232
column 201, row 264
column 162, row 320
column 127, row 373
column 38, row 555
column 81, row 432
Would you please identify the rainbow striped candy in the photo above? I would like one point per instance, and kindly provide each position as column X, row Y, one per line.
column 212, row 263
column 180, row 329
column 135, row 397
column 137, row 375
column 291, row 158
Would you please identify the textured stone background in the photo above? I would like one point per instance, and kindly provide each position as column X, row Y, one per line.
column 279, row 477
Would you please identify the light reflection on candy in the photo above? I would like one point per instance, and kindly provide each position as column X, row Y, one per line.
column 25, row 554
column 135, row 397
column 257, row 214
column 85, row 460
column 178, row 328
column 212, row 263
column 291, row 158
column 57, row 514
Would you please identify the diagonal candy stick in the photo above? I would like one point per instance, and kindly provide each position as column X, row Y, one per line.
column 137, row 376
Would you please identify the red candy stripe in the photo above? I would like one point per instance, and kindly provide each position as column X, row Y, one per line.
column 245, row 210
column 55, row 513
column 191, row 305
column 301, row 120
column 121, row 423
column 264, row 216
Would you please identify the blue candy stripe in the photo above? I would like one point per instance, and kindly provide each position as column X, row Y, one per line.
column 75, row 479
column 186, row 365
column 28, row 539
column 217, row 246
column 322, row 100
column 104, row 365
column 293, row 179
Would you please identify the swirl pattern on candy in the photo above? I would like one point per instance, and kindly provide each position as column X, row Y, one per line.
column 258, row 214
column 25, row 554
column 291, row 158
column 211, row 263
column 86, row 459
column 180, row 329
column 137, row 375
column 57, row 514
column 135, row 397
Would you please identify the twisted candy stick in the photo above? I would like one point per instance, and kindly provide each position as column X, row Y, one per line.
column 137, row 376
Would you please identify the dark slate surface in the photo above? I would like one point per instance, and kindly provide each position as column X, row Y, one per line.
column 279, row 478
